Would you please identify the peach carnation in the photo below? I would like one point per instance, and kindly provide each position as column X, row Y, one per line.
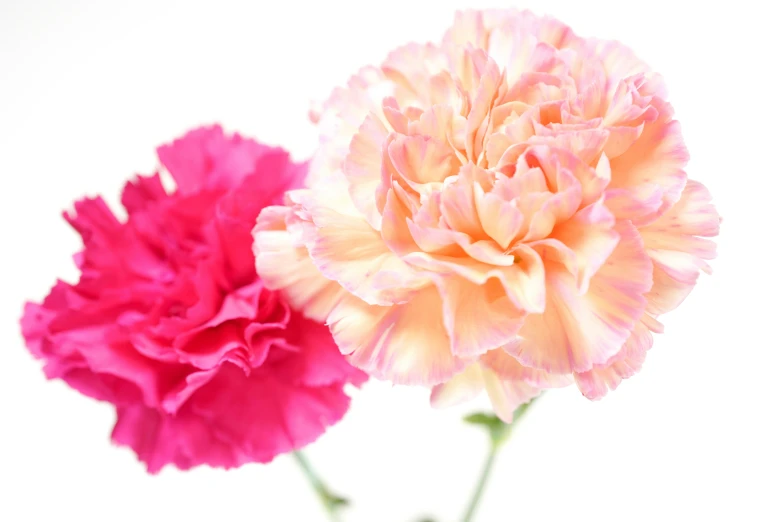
column 504, row 211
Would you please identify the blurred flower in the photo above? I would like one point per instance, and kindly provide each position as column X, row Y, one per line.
column 504, row 211
column 170, row 323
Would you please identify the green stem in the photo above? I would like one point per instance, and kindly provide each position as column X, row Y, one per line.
column 328, row 500
column 482, row 483
column 499, row 433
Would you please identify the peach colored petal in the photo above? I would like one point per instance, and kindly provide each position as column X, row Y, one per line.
column 347, row 250
column 501, row 220
column 508, row 368
column 363, row 167
column 395, row 229
column 410, row 67
column 657, row 157
column 406, row 343
column 458, row 203
column 676, row 242
column 490, row 87
column 523, row 281
column 507, row 396
column 602, row 378
column 461, row 388
column 435, row 122
column 534, row 178
column 590, row 235
column 283, row 263
column 421, row 160
column 577, row 331
column 478, row 317
column 666, row 293
column 639, row 205
column 555, row 209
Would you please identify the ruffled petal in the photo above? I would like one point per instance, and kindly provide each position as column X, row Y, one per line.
column 405, row 343
column 603, row 378
column 576, row 330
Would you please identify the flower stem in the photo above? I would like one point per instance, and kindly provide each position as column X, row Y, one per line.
column 482, row 483
column 499, row 433
column 330, row 502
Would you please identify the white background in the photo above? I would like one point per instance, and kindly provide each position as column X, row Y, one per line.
column 89, row 88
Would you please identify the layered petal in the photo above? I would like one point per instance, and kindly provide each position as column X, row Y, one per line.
column 406, row 343
column 577, row 331
column 205, row 362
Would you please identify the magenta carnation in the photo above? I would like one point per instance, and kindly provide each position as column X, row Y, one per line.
column 170, row 323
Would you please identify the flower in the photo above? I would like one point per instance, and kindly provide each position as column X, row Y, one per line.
column 171, row 324
column 504, row 211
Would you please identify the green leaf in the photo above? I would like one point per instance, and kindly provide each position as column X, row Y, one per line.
column 335, row 501
column 486, row 419
column 498, row 430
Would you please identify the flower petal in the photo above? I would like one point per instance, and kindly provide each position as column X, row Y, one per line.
column 509, row 369
column 348, row 250
column 284, row 264
column 603, row 378
column 507, row 396
column 577, row 331
column 674, row 241
column 590, row 235
column 461, row 388
column 657, row 157
column 478, row 317
column 362, row 167
column 405, row 343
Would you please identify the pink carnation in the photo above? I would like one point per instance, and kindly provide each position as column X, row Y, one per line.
column 506, row 211
column 170, row 323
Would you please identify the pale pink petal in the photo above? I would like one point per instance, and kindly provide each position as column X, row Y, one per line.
column 363, row 167
column 603, row 378
column 478, row 317
column 284, row 264
column 421, row 159
column 464, row 386
column 348, row 250
column 639, row 205
column 405, row 343
column 458, row 203
column 666, row 293
column 590, row 235
column 657, row 157
column 578, row 331
column 508, row 368
column 501, row 220
column 523, row 281
column 507, row 396
column 676, row 241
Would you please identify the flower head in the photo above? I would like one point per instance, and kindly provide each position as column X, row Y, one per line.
column 506, row 210
column 170, row 322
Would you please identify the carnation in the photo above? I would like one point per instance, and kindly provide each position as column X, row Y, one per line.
column 170, row 323
column 506, row 210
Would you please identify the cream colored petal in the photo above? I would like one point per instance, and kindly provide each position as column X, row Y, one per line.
column 603, row 378
column 577, row 331
column 348, row 250
column 405, row 343
column 590, row 235
column 363, row 167
column 461, row 388
column 677, row 240
column 508, row 368
column 507, row 396
column 284, row 264
column 478, row 317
